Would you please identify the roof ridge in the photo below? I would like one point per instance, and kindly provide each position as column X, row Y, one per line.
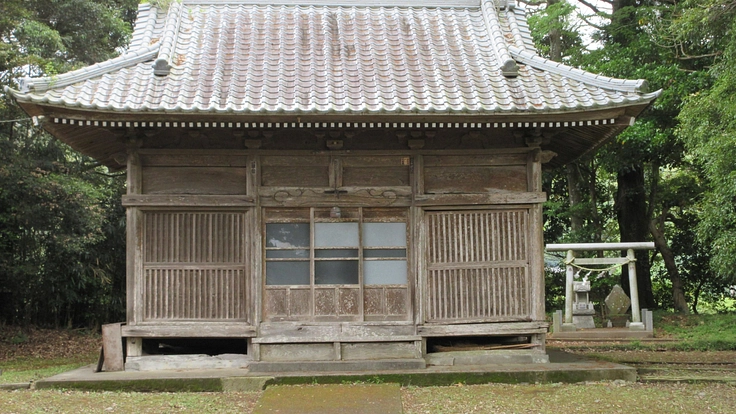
column 162, row 67
column 129, row 58
column 624, row 85
column 345, row 3
column 507, row 65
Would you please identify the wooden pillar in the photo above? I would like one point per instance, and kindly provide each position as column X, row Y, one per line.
column 567, row 324
column 134, row 253
column 536, row 236
column 636, row 323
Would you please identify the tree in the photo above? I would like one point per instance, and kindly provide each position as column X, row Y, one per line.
column 709, row 125
column 643, row 39
column 61, row 223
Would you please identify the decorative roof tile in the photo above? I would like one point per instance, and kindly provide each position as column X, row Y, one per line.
column 244, row 57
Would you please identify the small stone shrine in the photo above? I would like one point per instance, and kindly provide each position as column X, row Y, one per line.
column 582, row 310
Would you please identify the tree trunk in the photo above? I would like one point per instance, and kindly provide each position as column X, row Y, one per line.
column 595, row 217
column 633, row 223
column 575, row 197
column 678, row 294
column 555, row 38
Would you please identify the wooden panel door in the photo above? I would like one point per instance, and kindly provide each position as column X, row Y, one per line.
column 477, row 266
column 194, row 266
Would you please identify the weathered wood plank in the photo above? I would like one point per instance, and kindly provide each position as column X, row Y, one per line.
column 492, row 198
column 193, row 180
column 193, row 159
column 112, row 348
column 208, row 329
column 324, row 197
column 295, row 176
column 285, row 332
column 273, row 332
column 376, row 177
column 471, row 179
column 482, row 329
column 468, row 159
column 161, row 200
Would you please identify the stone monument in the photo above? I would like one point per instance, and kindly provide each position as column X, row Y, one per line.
column 617, row 303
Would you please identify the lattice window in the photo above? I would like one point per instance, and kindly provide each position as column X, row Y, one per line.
column 477, row 266
column 194, row 266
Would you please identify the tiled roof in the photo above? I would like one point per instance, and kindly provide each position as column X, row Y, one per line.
column 241, row 57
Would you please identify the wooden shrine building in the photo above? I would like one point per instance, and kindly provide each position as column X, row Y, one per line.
column 332, row 180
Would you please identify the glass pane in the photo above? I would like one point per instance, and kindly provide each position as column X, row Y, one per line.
column 287, row 235
column 336, row 234
column 336, row 272
column 336, row 253
column 384, row 253
column 287, row 254
column 384, row 272
column 287, row 273
column 384, row 234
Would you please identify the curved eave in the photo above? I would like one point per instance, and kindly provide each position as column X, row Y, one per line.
column 29, row 87
column 119, row 112
column 530, row 58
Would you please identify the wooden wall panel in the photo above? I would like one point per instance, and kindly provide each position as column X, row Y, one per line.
column 382, row 171
column 194, row 180
column 348, row 301
column 295, row 171
column 324, row 302
column 194, row 237
column 194, row 294
column 300, row 303
column 386, row 302
column 471, row 179
column 478, row 266
column 194, row 266
column 287, row 302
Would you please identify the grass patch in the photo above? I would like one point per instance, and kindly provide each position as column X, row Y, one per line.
column 600, row 397
column 29, row 369
column 58, row 401
column 29, row 354
column 698, row 332
column 687, row 333
column 10, row 377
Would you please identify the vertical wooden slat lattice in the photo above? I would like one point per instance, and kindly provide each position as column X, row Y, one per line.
column 477, row 266
column 194, row 266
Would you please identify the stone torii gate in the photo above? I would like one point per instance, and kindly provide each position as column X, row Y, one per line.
column 571, row 261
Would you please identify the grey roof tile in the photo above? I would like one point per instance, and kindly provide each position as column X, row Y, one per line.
column 238, row 57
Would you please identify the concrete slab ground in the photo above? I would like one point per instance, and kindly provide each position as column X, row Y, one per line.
column 331, row 399
column 563, row 367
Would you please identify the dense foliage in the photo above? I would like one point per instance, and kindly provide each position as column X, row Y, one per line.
column 62, row 246
column 670, row 178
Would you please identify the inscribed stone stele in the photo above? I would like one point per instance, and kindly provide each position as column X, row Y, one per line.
column 617, row 303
